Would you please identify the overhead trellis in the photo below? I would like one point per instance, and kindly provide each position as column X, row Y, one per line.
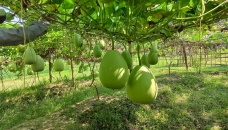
column 128, row 20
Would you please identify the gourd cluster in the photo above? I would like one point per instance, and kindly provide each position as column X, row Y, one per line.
column 116, row 70
column 37, row 63
column 140, row 83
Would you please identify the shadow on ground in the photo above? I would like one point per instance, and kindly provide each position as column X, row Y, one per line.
column 193, row 101
column 184, row 101
column 107, row 113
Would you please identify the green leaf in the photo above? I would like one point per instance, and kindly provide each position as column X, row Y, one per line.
column 9, row 17
column 155, row 15
column 2, row 12
column 212, row 4
column 184, row 3
column 57, row 1
column 68, row 4
column 85, row 67
column 135, row 3
column 50, row 1
column 86, row 11
column 106, row 1
column 191, row 3
column 109, row 9
column 156, row 1
column 80, row 69
column 166, row 32
column 50, row 7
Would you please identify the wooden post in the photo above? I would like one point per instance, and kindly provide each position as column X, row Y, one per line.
column 177, row 53
column 220, row 55
column 50, row 65
column 200, row 59
column 72, row 66
column 211, row 56
column 1, row 76
column 206, row 55
column 185, row 56
column 190, row 52
column 130, row 50
column 215, row 55
column 225, row 58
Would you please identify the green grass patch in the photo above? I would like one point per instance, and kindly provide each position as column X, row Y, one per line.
column 186, row 100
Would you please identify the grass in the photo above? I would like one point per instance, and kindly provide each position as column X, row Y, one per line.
column 216, row 69
column 185, row 101
column 10, row 81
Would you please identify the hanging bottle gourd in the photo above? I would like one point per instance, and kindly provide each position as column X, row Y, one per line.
column 12, row 67
column 97, row 51
column 141, row 86
column 127, row 57
column 113, row 71
column 39, row 65
column 59, row 65
column 152, row 57
column 78, row 40
column 144, row 61
column 29, row 56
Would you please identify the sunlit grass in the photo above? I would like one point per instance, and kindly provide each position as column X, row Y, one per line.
column 11, row 81
column 185, row 100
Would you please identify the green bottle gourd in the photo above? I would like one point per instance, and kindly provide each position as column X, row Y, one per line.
column 59, row 65
column 141, row 86
column 144, row 61
column 97, row 51
column 152, row 57
column 127, row 57
column 29, row 56
column 78, row 40
column 39, row 65
column 113, row 71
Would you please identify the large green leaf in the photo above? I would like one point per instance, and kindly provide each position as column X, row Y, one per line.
column 49, row 1
column 212, row 4
column 9, row 17
column 155, row 2
column 156, row 15
column 109, row 9
column 50, row 7
column 68, row 4
column 106, row 1
column 57, row 1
